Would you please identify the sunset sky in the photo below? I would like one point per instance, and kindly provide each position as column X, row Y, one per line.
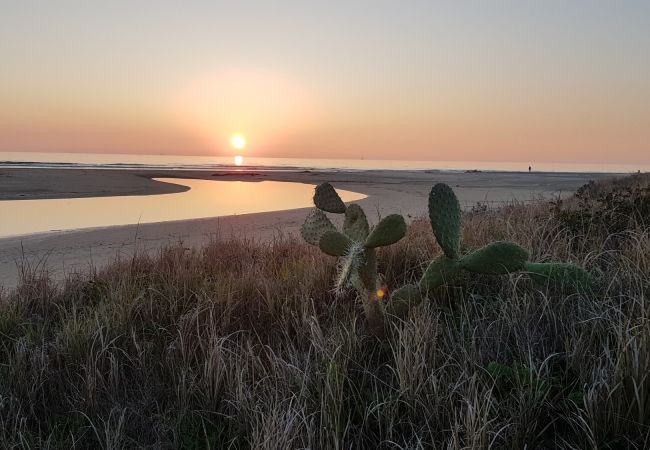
column 429, row 80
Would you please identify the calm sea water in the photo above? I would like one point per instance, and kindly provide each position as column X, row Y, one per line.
column 126, row 161
column 205, row 198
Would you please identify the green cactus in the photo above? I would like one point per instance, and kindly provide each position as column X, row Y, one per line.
column 355, row 245
column 497, row 258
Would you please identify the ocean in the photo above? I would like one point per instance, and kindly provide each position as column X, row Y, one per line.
column 186, row 162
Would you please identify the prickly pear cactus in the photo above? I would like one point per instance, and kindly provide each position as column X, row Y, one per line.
column 497, row 258
column 357, row 242
column 356, row 246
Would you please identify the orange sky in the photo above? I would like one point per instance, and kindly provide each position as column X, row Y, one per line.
column 380, row 80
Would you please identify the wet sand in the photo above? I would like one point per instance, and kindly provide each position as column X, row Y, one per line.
column 405, row 192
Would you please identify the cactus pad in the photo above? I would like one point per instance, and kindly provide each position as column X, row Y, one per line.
column 326, row 198
column 316, row 224
column 543, row 273
column 444, row 213
column 334, row 243
column 355, row 225
column 499, row 257
column 403, row 299
column 440, row 271
column 389, row 230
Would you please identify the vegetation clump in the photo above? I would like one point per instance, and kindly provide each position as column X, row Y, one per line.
column 241, row 344
column 607, row 208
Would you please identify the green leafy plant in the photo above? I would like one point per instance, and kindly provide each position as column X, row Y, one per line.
column 496, row 258
column 355, row 244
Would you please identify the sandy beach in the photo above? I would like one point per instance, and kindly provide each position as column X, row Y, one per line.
column 405, row 192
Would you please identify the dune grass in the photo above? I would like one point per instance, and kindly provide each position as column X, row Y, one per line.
column 242, row 344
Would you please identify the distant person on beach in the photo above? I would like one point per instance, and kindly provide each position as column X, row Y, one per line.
column 529, row 169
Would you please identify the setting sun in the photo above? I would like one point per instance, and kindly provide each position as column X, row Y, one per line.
column 238, row 141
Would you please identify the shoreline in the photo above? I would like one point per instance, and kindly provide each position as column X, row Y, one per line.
column 398, row 191
column 52, row 183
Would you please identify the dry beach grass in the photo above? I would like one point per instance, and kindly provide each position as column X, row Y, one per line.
column 242, row 344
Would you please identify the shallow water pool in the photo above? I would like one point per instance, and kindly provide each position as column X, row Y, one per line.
column 205, row 198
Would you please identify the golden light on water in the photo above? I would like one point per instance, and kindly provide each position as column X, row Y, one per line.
column 238, row 160
column 238, row 141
